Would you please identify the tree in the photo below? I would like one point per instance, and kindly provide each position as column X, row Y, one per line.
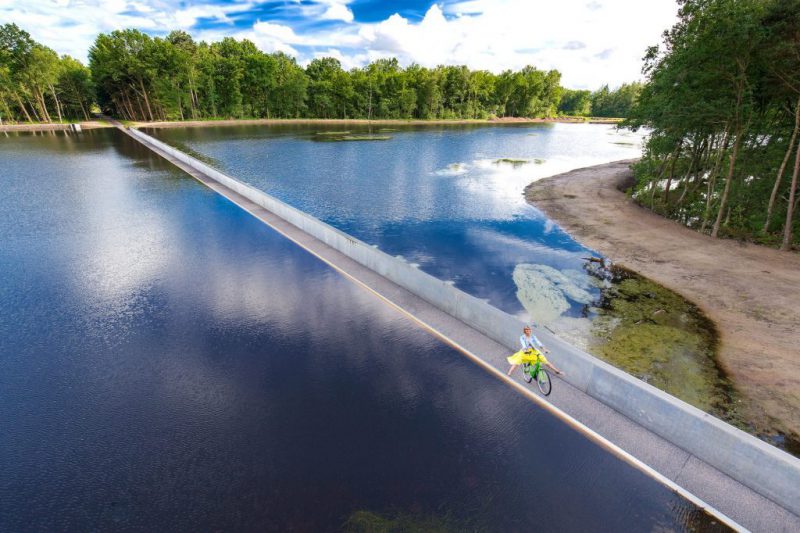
column 722, row 102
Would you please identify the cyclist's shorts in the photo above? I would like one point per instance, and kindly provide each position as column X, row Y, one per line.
column 522, row 357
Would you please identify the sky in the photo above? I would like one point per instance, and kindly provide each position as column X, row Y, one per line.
column 591, row 42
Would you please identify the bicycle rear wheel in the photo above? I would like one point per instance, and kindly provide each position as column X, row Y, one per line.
column 544, row 382
column 526, row 372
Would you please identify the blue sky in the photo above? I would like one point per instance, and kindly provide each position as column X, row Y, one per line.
column 592, row 42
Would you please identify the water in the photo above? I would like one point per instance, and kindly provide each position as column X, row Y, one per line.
column 439, row 196
column 167, row 362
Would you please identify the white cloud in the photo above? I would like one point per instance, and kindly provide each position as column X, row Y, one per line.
column 336, row 11
column 591, row 42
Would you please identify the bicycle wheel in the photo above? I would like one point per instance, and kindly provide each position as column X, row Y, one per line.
column 544, row 382
column 526, row 372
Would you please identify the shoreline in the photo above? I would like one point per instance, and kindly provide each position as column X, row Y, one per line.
column 749, row 292
column 366, row 122
column 54, row 126
column 92, row 124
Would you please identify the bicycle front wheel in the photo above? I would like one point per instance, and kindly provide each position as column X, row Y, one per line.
column 526, row 372
column 544, row 382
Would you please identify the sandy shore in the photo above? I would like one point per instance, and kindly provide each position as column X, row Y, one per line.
column 86, row 125
column 363, row 122
column 751, row 292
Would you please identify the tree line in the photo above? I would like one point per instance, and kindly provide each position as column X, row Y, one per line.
column 143, row 78
column 134, row 76
column 603, row 102
column 722, row 97
column 38, row 85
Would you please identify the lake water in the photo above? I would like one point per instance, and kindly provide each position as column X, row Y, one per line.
column 167, row 362
column 442, row 197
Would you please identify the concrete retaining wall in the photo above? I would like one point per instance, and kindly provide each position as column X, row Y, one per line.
column 755, row 464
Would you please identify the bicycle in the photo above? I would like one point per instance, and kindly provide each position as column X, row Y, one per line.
column 533, row 370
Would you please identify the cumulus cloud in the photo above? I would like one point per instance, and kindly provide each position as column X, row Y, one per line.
column 592, row 43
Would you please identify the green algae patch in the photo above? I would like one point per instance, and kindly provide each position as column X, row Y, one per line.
column 516, row 163
column 661, row 338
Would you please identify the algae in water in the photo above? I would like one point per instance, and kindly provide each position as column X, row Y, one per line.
column 656, row 335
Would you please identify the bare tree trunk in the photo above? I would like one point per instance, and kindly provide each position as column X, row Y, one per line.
column 728, row 181
column 776, row 187
column 787, row 228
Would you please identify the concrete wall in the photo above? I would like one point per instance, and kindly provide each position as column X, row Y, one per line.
column 758, row 465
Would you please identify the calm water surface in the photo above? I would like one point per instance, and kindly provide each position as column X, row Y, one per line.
column 439, row 196
column 167, row 362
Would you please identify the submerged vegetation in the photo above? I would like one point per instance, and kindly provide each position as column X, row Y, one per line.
column 397, row 522
column 723, row 101
column 659, row 337
column 517, row 162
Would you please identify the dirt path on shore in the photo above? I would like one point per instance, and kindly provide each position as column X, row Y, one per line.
column 751, row 292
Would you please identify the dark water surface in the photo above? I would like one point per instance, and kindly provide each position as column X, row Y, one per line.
column 448, row 198
column 167, row 362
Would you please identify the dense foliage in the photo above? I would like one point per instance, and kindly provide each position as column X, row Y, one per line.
column 723, row 100
column 137, row 77
column 144, row 78
column 36, row 84
column 601, row 103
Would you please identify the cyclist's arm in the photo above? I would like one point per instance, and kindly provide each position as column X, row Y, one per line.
column 538, row 343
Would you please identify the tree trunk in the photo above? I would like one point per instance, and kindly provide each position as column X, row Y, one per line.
column 698, row 152
column 22, row 106
column 787, row 228
column 33, row 108
column 58, row 104
column 776, row 187
column 83, row 109
column 728, row 181
column 712, row 179
column 672, row 173
column 39, row 97
column 146, row 99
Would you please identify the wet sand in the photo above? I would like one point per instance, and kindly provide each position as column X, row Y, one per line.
column 751, row 293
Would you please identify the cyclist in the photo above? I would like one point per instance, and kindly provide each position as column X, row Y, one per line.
column 529, row 344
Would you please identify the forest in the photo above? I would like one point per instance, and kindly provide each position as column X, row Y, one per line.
column 136, row 77
column 722, row 102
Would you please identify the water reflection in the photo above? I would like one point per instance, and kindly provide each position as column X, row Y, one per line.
column 168, row 362
column 447, row 198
